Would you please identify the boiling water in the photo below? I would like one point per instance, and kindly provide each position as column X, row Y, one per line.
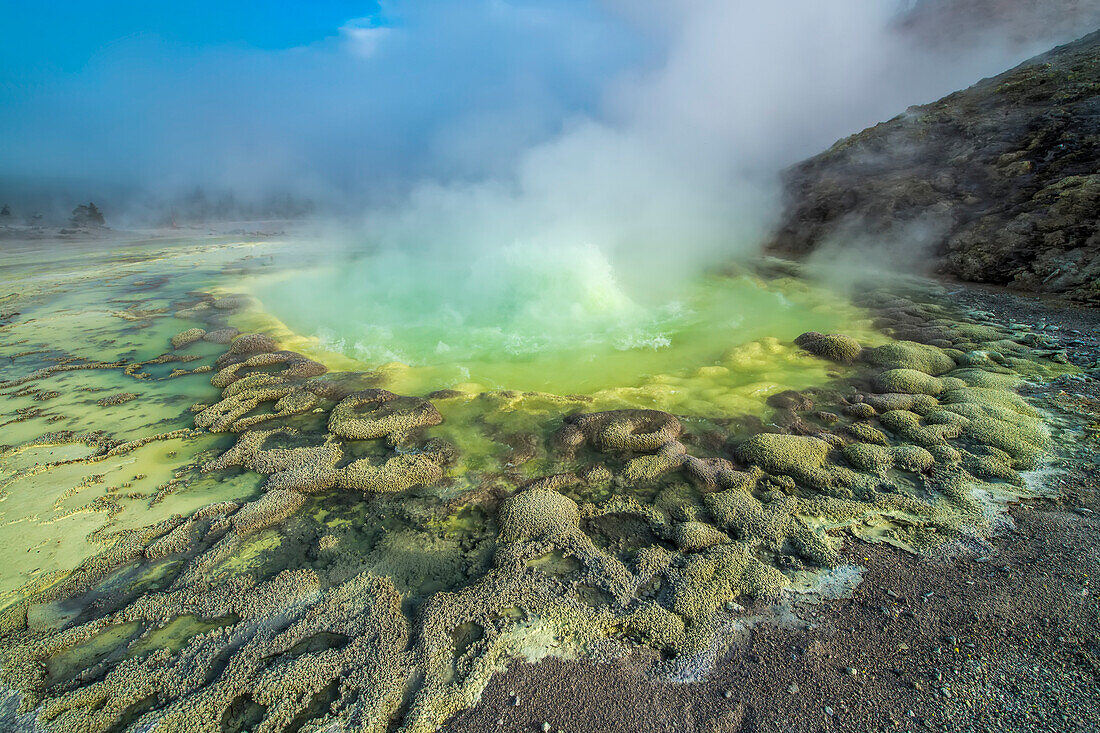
column 553, row 321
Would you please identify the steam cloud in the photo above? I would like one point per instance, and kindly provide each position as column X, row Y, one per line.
column 652, row 131
column 676, row 166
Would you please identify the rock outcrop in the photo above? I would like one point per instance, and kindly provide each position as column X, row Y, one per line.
column 1001, row 180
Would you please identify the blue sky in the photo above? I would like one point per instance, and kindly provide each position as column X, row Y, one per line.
column 62, row 35
column 327, row 95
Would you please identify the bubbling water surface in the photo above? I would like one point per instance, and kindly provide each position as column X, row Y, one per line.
column 528, row 318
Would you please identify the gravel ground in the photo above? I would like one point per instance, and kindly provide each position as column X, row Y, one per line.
column 998, row 638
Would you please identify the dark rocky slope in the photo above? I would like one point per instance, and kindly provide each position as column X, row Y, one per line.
column 1002, row 180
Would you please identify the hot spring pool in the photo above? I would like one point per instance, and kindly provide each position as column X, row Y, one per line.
column 530, row 321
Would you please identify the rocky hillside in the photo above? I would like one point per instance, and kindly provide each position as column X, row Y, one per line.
column 1002, row 178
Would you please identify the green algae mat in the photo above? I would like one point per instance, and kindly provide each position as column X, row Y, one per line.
column 246, row 489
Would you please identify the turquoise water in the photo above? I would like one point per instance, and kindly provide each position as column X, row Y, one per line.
column 533, row 320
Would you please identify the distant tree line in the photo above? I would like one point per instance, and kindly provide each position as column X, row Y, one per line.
column 7, row 218
column 196, row 206
column 87, row 215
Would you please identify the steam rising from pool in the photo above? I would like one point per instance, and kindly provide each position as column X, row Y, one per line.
column 518, row 302
column 532, row 318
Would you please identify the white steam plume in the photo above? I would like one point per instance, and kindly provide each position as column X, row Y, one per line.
column 678, row 167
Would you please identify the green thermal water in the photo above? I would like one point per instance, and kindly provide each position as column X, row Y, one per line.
column 558, row 325
column 82, row 302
